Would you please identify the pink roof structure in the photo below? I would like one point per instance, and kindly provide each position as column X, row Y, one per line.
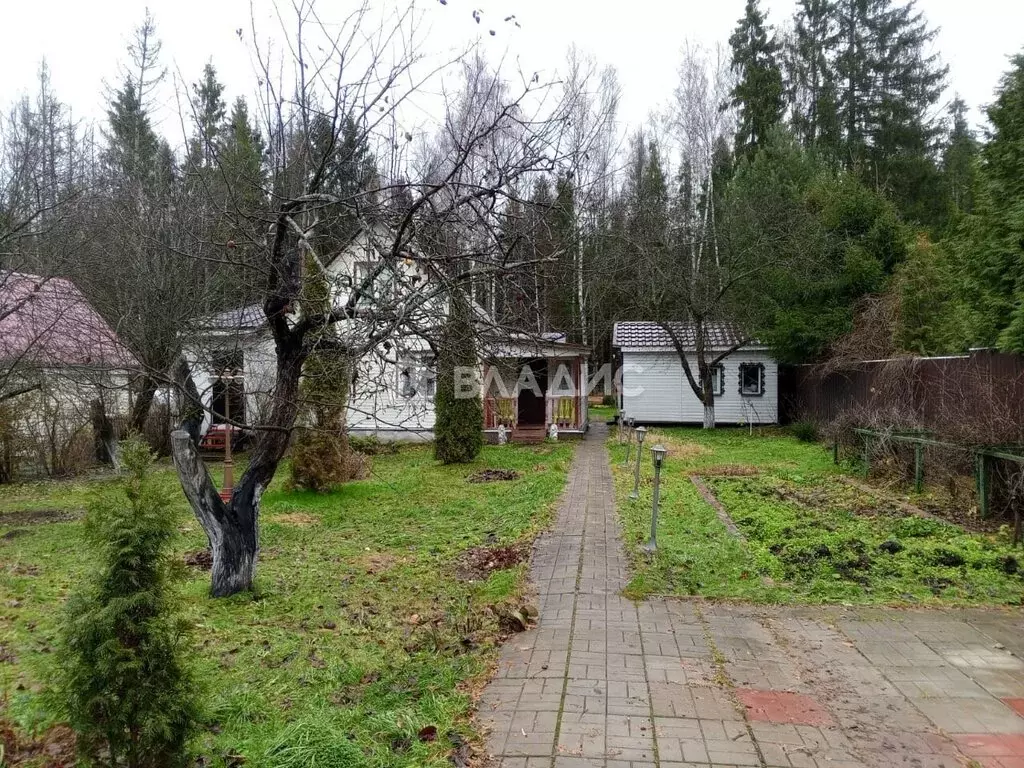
column 48, row 322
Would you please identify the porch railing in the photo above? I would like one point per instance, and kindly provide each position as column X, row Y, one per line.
column 565, row 412
column 500, row 410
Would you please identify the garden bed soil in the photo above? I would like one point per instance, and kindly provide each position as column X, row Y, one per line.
column 53, row 749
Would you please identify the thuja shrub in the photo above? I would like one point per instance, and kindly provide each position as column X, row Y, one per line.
column 121, row 678
column 458, row 428
column 321, row 455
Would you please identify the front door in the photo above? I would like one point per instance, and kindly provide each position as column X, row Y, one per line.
column 532, row 407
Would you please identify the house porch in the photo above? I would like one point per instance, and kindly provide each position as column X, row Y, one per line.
column 529, row 395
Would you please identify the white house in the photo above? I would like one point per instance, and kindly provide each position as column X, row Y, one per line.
column 655, row 389
column 392, row 390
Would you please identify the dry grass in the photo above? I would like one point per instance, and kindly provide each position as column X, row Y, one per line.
column 298, row 519
column 676, row 446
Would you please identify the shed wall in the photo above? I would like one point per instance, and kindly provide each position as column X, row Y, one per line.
column 655, row 390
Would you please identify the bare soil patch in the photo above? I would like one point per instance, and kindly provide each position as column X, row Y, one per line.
column 199, row 558
column 493, row 476
column 38, row 517
column 54, row 749
column 477, row 563
column 378, row 562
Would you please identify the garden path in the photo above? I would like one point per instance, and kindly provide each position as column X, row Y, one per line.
column 603, row 682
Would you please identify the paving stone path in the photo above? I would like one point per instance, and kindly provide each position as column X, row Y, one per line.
column 603, row 681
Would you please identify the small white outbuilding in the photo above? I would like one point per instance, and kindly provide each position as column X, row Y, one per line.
column 655, row 389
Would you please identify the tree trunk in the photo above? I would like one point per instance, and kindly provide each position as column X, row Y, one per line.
column 104, row 439
column 142, row 405
column 232, row 529
column 709, row 415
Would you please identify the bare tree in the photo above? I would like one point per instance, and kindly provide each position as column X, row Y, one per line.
column 698, row 264
column 364, row 71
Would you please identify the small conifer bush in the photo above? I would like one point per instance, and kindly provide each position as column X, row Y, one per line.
column 458, row 429
column 121, row 678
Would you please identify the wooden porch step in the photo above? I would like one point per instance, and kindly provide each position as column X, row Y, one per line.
column 529, row 435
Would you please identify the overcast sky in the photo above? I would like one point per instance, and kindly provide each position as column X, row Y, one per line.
column 83, row 41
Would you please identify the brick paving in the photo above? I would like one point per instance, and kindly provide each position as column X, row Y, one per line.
column 606, row 682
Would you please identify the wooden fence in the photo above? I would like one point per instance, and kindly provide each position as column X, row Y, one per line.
column 977, row 397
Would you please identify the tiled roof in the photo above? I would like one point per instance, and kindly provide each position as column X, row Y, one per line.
column 47, row 321
column 646, row 334
column 245, row 318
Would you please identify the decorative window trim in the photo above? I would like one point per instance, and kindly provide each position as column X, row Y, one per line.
column 718, row 380
column 759, row 367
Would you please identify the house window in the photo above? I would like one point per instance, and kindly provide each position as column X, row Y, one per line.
column 405, row 382
column 751, row 379
column 718, row 380
column 417, row 377
column 363, row 270
column 428, row 380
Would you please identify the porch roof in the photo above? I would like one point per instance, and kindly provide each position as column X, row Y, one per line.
column 519, row 347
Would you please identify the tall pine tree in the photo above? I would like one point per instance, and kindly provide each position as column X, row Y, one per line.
column 960, row 159
column 209, row 111
column 132, row 145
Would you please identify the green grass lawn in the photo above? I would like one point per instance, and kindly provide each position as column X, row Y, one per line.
column 809, row 537
column 601, row 413
column 362, row 632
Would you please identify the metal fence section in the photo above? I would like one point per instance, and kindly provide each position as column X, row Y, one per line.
column 977, row 397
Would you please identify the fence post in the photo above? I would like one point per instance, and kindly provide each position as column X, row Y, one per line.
column 867, row 455
column 981, row 474
column 918, row 467
column 835, row 452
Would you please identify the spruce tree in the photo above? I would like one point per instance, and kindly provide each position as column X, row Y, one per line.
column 349, row 173
column 960, row 159
column 812, row 76
column 889, row 83
column 241, row 161
column 209, row 110
column 757, row 94
column 458, row 429
column 132, row 144
column 562, row 311
column 991, row 246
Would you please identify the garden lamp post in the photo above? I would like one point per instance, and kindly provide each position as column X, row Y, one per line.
column 229, row 465
column 641, row 432
column 658, row 453
column 629, row 440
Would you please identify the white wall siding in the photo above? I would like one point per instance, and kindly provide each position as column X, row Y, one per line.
column 655, row 390
column 652, row 387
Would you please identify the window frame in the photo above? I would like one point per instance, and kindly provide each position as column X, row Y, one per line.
column 743, row 368
column 417, row 376
column 718, row 380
